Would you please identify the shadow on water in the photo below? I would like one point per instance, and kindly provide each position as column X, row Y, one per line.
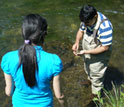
column 113, row 75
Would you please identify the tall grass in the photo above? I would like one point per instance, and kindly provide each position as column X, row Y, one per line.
column 114, row 98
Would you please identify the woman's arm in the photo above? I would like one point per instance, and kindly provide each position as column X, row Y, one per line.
column 9, row 89
column 57, row 90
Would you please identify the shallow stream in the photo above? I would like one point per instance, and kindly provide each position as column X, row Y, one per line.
column 63, row 21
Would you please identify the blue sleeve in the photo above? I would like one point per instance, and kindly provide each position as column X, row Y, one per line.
column 57, row 65
column 105, row 34
column 5, row 64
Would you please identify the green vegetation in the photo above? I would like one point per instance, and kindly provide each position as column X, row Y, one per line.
column 114, row 98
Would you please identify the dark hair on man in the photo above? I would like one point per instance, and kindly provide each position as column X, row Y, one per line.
column 34, row 29
column 87, row 12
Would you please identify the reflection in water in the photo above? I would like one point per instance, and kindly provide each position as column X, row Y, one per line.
column 63, row 21
column 115, row 12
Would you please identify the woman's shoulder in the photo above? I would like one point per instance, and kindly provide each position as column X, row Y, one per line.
column 10, row 54
column 51, row 57
column 8, row 59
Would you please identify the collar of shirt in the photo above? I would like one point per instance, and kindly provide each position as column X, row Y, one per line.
column 91, row 27
column 98, row 21
column 38, row 47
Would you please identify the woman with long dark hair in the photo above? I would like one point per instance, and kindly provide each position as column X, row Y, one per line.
column 30, row 69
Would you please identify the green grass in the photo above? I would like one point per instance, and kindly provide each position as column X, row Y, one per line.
column 114, row 98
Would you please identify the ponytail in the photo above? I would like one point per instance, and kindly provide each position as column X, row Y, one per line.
column 34, row 29
column 29, row 62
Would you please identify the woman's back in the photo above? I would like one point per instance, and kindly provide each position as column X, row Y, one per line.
column 49, row 65
column 30, row 69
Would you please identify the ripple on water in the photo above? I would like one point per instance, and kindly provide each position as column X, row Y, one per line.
column 114, row 12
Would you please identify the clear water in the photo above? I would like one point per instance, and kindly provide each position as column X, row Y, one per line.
column 63, row 21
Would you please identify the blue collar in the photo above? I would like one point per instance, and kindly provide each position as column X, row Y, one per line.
column 38, row 47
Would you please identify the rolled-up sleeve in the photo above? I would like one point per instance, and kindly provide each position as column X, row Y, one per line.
column 82, row 26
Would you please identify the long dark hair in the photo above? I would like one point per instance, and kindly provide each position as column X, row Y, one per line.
column 34, row 29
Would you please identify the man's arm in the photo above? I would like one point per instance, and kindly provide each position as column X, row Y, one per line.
column 79, row 36
column 97, row 50
column 94, row 51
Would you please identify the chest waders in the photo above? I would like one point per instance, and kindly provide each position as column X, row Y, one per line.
column 95, row 65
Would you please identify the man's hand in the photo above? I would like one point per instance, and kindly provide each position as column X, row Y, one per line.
column 75, row 47
column 77, row 53
column 81, row 52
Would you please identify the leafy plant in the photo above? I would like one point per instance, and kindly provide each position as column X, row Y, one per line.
column 114, row 98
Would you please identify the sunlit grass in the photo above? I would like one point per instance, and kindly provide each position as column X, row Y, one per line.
column 114, row 98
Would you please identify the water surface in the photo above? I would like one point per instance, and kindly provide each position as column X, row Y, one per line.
column 63, row 21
